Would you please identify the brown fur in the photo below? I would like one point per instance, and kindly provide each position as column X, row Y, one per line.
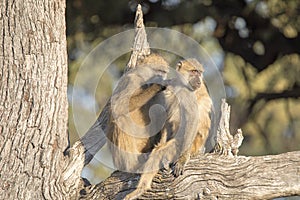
column 136, row 88
column 178, row 145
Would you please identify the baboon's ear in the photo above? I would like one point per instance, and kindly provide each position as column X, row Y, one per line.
column 178, row 66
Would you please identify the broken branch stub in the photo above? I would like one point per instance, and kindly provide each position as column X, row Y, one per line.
column 226, row 143
column 140, row 45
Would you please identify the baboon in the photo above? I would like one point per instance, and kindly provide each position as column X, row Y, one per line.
column 132, row 129
column 205, row 109
column 188, row 105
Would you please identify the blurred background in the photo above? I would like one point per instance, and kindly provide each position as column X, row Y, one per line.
column 254, row 43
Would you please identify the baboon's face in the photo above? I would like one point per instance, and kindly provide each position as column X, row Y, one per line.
column 195, row 78
column 192, row 70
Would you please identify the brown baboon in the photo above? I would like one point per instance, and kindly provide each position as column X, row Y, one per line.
column 132, row 129
column 188, row 105
column 205, row 109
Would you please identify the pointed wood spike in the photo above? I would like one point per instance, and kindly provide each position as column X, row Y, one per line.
column 140, row 45
column 227, row 144
column 139, row 22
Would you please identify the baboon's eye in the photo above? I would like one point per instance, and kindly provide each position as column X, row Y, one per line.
column 162, row 71
column 194, row 71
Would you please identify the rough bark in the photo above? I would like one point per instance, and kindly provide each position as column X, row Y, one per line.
column 33, row 98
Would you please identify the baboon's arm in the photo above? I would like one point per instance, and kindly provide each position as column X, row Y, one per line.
column 142, row 96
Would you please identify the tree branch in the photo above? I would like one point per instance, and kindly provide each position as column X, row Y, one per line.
column 213, row 176
column 291, row 93
column 140, row 45
column 226, row 143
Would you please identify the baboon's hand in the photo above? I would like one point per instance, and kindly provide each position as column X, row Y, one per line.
column 179, row 165
column 162, row 84
column 178, row 169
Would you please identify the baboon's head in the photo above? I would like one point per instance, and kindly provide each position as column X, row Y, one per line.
column 192, row 71
column 157, row 63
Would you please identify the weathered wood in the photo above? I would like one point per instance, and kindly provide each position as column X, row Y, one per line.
column 227, row 144
column 140, row 45
column 214, row 176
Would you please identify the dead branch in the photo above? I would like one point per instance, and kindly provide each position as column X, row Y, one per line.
column 140, row 45
column 213, row 176
column 227, row 144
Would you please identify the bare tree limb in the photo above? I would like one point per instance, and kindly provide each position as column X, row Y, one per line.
column 213, row 176
column 290, row 93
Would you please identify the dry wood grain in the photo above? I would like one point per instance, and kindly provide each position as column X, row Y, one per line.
column 214, row 176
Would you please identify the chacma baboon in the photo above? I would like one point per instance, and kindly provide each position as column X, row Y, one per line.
column 132, row 129
column 205, row 109
column 188, row 106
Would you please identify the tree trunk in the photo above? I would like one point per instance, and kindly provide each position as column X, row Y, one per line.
column 33, row 98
